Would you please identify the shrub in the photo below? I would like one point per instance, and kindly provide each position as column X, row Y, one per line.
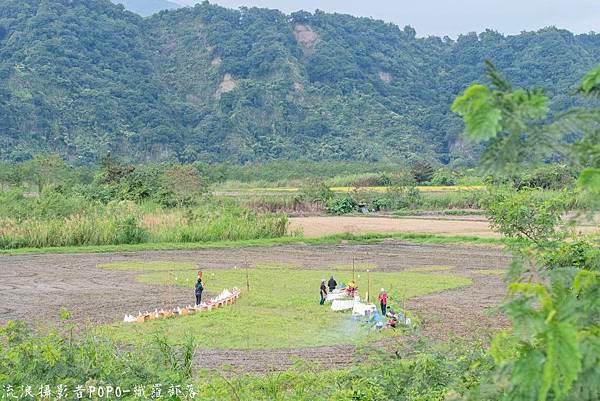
column 29, row 359
column 549, row 177
column 397, row 197
column 316, row 191
column 422, row 171
column 342, row 205
column 580, row 254
column 531, row 214
column 381, row 203
column 443, row 176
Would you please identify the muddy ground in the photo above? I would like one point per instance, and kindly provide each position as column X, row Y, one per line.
column 35, row 287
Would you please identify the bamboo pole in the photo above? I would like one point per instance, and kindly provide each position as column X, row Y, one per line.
column 368, row 285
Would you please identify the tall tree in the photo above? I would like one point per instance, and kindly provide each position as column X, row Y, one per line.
column 553, row 350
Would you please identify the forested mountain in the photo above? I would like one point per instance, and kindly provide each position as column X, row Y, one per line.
column 85, row 77
column 146, row 8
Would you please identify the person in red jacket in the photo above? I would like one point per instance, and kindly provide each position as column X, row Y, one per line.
column 383, row 298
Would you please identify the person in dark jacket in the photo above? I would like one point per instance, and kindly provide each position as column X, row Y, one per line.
column 199, row 289
column 332, row 284
column 323, row 292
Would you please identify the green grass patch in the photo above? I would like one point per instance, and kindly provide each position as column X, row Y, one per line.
column 280, row 310
column 490, row 272
column 326, row 240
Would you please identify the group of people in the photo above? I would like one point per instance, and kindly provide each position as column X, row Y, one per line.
column 332, row 285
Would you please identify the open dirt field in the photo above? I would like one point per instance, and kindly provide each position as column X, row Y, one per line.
column 319, row 226
column 35, row 287
column 441, row 225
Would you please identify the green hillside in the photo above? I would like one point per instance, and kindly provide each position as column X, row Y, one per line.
column 146, row 8
column 83, row 78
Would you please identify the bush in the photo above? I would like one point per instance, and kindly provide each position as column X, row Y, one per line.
column 398, row 198
column 316, row 191
column 579, row 254
column 422, row 171
column 342, row 205
column 129, row 231
column 528, row 214
column 27, row 359
column 443, row 176
column 549, row 177
column 381, row 203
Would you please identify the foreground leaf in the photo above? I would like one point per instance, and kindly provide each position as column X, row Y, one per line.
column 590, row 84
column 589, row 180
column 482, row 118
column 563, row 360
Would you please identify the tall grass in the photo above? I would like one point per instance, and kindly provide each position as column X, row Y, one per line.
column 360, row 180
column 470, row 199
column 221, row 224
column 284, row 203
column 123, row 223
column 389, row 199
column 290, row 171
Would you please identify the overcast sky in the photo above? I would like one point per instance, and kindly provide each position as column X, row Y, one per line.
column 451, row 17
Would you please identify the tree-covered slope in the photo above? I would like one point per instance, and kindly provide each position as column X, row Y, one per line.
column 208, row 83
column 146, row 8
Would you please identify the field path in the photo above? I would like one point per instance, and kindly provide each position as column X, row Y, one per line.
column 319, row 226
column 471, row 225
column 35, row 287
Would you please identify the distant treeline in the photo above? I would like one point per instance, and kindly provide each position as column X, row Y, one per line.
column 210, row 84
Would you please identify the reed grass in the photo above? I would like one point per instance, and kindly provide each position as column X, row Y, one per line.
column 123, row 223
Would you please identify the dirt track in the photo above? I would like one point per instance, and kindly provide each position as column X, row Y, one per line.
column 319, row 226
column 477, row 226
column 35, row 287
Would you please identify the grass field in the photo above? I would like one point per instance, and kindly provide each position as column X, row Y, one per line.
column 280, row 310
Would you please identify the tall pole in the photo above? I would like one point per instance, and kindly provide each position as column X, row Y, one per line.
column 368, row 284
column 353, row 268
column 173, row 293
column 247, row 275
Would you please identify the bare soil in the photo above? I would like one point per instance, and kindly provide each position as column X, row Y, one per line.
column 470, row 225
column 319, row 226
column 35, row 287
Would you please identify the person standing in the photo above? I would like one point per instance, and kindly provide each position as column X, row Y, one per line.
column 199, row 289
column 332, row 284
column 323, row 292
column 383, row 298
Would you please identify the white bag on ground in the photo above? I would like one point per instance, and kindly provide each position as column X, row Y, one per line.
column 340, row 305
column 361, row 309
